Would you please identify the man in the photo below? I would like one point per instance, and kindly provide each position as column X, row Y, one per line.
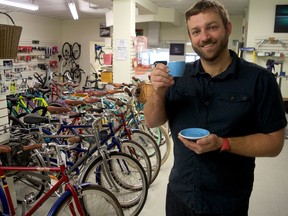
column 238, row 102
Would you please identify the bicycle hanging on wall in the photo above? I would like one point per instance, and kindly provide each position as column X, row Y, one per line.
column 70, row 69
column 99, row 54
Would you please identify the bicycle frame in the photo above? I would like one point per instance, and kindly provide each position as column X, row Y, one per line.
column 64, row 179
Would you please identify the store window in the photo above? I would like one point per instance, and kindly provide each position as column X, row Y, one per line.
column 191, row 57
column 149, row 56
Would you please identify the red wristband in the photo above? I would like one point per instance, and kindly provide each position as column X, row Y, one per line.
column 225, row 145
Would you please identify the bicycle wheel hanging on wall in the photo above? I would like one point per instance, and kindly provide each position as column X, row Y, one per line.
column 76, row 50
column 66, row 50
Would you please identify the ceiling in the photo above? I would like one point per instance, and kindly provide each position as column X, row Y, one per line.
column 58, row 9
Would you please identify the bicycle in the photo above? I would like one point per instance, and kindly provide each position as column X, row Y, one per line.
column 71, row 51
column 139, row 136
column 74, row 74
column 76, row 200
column 99, row 54
column 132, row 191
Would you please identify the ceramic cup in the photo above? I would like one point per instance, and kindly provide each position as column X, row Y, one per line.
column 176, row 68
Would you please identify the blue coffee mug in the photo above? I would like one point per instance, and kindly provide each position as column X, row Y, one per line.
column 176, row 68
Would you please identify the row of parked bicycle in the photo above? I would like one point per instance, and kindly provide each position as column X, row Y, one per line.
column 92, row 150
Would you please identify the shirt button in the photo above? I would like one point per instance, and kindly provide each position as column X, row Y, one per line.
column 207, row 103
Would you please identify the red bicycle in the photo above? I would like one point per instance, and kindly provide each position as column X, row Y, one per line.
column 84, row 199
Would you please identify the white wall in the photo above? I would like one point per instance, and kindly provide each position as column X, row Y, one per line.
column 82, row 31
column 36, row 27
column 261, row 25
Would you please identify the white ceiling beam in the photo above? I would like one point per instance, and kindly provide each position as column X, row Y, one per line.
column 168, row 15
column 147, row 5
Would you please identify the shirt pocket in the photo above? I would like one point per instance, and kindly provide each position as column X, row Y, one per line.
column 234, row 106
column 234, row 97
column 185, row 93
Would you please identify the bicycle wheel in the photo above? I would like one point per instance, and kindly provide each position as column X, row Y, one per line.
column 138, row 152
column 151, row 148
column 30, row 186
column 159, row 134
column 95, row 200
column 101, row 57
column 76, row 50
column 128, row 181
column 77, row 75
column 66, row 50
column 67, row 76
column 163, row 141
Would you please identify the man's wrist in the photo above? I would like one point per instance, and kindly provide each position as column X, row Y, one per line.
column 225, row 145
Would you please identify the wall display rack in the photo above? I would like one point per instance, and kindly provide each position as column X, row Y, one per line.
column 271, row 47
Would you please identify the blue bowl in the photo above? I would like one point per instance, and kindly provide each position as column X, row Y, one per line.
column 194, row 133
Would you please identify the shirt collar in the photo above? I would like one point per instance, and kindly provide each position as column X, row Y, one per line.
column 231, row 71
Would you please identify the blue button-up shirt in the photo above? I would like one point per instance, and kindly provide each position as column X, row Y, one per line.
column 244, row 99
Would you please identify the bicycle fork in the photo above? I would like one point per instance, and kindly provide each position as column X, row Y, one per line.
column 106, row 172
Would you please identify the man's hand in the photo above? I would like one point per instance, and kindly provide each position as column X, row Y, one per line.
column 161, row 79
column 203, row 145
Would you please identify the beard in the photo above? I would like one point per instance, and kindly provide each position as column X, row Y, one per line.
column 221, row 46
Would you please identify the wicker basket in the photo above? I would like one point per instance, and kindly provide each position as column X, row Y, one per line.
column 143, row 92
column 9, row 39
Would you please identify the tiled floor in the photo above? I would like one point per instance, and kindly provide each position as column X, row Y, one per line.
column 269, row 197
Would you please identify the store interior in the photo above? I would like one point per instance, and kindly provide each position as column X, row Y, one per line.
column 115, row 41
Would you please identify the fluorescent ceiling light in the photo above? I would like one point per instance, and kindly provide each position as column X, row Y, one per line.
column 73, row 10
column 20, row 5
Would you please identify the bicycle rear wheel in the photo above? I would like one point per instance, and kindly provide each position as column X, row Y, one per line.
column 95, row 200
column 30, row 186
column 130, row 182
column 76, row 50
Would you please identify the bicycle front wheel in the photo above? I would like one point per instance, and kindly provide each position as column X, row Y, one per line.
column 126, row 179
column 67, row 76
column 66, row 50
column 95, row 200
column 101, row 57
column 151, row 148
column 77, row 75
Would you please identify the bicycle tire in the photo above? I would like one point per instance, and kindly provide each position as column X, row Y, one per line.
column 95, row 200
column 132, row 190
column 163, row 140
column 67, row 76
column 151, row 147
column 66, row 50
column 138, row 152
column 76, row 50
column 30, row 186
column 101, row 57
column 160, row 135
column 77, row 75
